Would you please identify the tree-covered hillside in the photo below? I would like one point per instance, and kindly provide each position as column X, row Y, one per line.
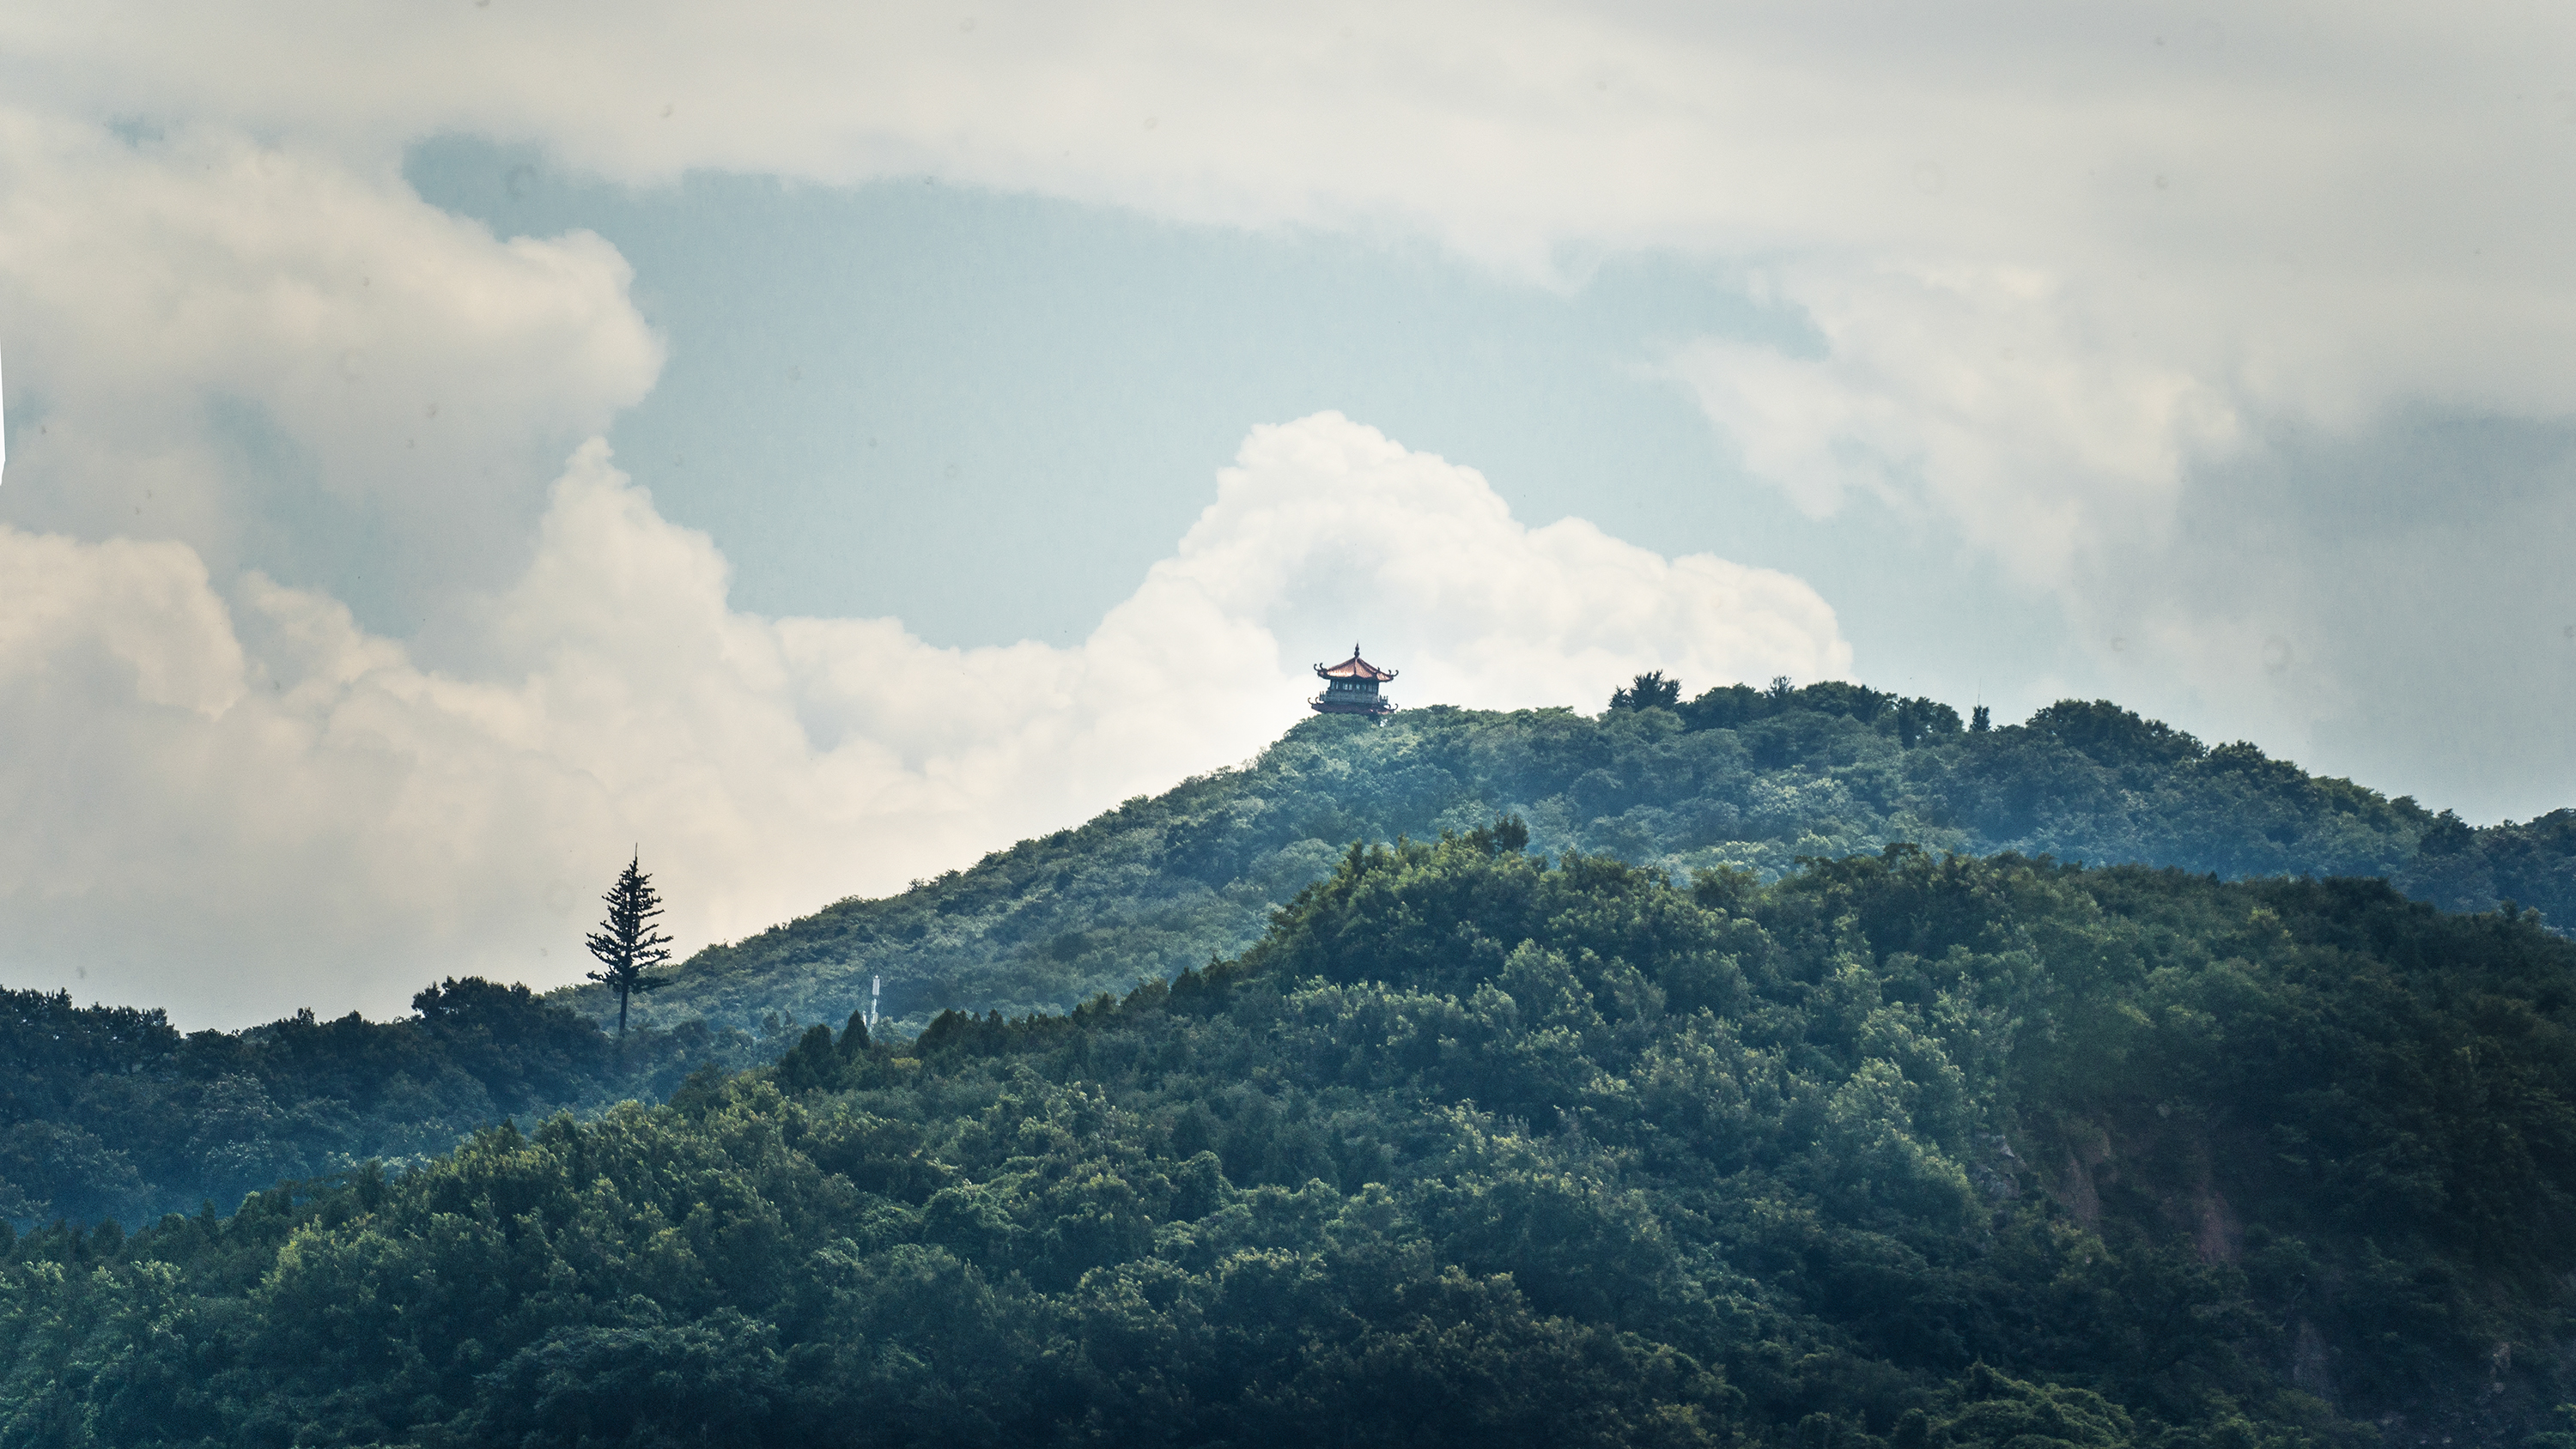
column 110, row 1112
column 1472, row 1148
column 1737, row 777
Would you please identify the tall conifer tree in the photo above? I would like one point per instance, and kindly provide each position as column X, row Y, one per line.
column 627, row 943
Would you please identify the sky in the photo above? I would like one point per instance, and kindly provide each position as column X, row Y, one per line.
column 451, row 447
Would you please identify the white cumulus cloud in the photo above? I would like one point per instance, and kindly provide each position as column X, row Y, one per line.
column 272, row 355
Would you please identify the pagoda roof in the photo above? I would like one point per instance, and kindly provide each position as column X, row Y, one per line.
column 1354, row 668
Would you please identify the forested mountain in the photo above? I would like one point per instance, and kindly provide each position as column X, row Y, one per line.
column 1736, row 777
column 1476, row 1147
column 110, row 1112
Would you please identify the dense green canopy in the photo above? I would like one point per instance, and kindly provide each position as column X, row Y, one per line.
column 1476, row 1147
column 110, row 1112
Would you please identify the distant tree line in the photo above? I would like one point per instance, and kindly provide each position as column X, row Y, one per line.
column 112, row 1112
column 1733, row 706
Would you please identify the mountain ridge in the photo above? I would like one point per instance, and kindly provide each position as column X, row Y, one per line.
column 1735, row 778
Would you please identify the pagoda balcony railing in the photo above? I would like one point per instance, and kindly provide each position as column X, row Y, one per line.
column 1353, row 701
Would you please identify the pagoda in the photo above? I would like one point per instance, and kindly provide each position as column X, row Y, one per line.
column 1350, row 687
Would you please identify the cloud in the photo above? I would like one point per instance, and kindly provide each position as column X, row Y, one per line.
column 252, row 804
column 2059, row 263
column 2388, row 605
column 1325, row 528
column 275, row 356
column 1988, row 395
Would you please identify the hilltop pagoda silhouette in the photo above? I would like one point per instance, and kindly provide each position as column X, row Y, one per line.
column 1350, row 687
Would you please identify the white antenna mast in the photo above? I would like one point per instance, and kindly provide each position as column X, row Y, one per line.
column 875, row 984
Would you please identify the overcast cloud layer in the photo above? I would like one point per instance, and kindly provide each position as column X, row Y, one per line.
column 2236, row 334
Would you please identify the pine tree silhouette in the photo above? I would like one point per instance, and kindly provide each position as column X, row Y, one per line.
column 627, row 943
